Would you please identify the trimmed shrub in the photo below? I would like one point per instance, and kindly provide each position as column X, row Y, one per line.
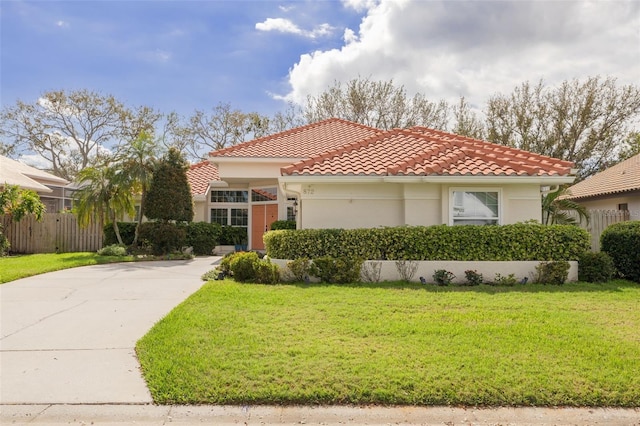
column 243, row 266
column 4, row 243
column 283, row 224
column 471, row 243
column 113, row 250
column 406, row 269
column 473, row 277
column 210, row 275
column 336, row 270
column 621, row 241
column 225, row 263
column 267, row 272
column 203, row 237
column 504, row 281
column 300, row 268
column 163, row 237
column 552, row 272
column 596, row 267
column 443, row 277
column 233, row 235
column 127, row 233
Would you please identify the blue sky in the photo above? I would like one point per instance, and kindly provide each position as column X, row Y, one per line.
column 183, row 55
column 170, row 55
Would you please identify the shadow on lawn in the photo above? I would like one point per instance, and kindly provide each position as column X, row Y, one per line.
column 579, row 287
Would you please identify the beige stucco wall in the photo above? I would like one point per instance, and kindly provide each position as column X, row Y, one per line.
column 343, row 205
column 200, row 213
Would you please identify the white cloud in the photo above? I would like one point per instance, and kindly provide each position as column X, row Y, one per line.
column 278, row 24
column 62, row 24
column 360, row 5
column 447, row 49
column 287, row 26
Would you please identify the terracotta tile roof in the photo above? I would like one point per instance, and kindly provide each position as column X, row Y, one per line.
column 200, row 175
column 301, row 142
column 622, row 177
column 426, row 152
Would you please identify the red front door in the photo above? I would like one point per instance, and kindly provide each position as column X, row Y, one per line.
column 262, row 216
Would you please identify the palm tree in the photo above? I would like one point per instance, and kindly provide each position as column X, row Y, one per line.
column 138, row 160
column 105, row 194
column 557, row 209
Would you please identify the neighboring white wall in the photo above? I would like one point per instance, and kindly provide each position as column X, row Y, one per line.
column 611, row 203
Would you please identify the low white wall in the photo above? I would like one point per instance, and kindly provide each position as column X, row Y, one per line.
column 522, row 269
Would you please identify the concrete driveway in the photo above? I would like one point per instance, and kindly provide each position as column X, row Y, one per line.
column 69, row 336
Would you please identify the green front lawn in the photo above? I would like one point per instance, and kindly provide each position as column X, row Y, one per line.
column 229, row 343
column 15, row 267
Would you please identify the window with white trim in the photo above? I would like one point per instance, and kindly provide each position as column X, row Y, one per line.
column 474, row 206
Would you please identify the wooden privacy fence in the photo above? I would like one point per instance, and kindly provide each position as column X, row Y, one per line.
column 600, row 219
column 56, row 233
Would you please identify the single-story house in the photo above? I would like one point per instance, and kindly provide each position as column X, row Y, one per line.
column 616, row 188
column 340, row 174
column 53, row 190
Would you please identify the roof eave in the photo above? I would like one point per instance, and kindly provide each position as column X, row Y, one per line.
column 466, row 179
column 287, row 160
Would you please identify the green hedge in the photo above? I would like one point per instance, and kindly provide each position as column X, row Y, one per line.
column 621, row 241
column 164, row 238
column 470, row 243
column 203, row 237
column 283, row 224
column 127, row 233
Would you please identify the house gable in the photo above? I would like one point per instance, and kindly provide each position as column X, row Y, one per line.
column 301, row 142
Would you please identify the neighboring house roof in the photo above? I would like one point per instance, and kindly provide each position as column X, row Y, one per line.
column 13, row 172
column 266, row 195
column 301, row 142
column 623, row 177
column 200, row 176
column 423, row 152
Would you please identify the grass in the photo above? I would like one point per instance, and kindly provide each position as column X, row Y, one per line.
column 531, row 345
column 15, row 267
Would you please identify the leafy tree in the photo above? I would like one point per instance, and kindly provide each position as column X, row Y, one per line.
column 169, row 196
column 631, row 147
column 577, row 121
column 137, row 162
column 69, row 130
column 16, row 203
column 466, row 121
column 557, row 210
column 379, row 104
column 104, row 195
column 223, row 126
column 72, row 130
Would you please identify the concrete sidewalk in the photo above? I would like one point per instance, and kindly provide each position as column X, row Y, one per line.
column 69, row 336
column 332, row 415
